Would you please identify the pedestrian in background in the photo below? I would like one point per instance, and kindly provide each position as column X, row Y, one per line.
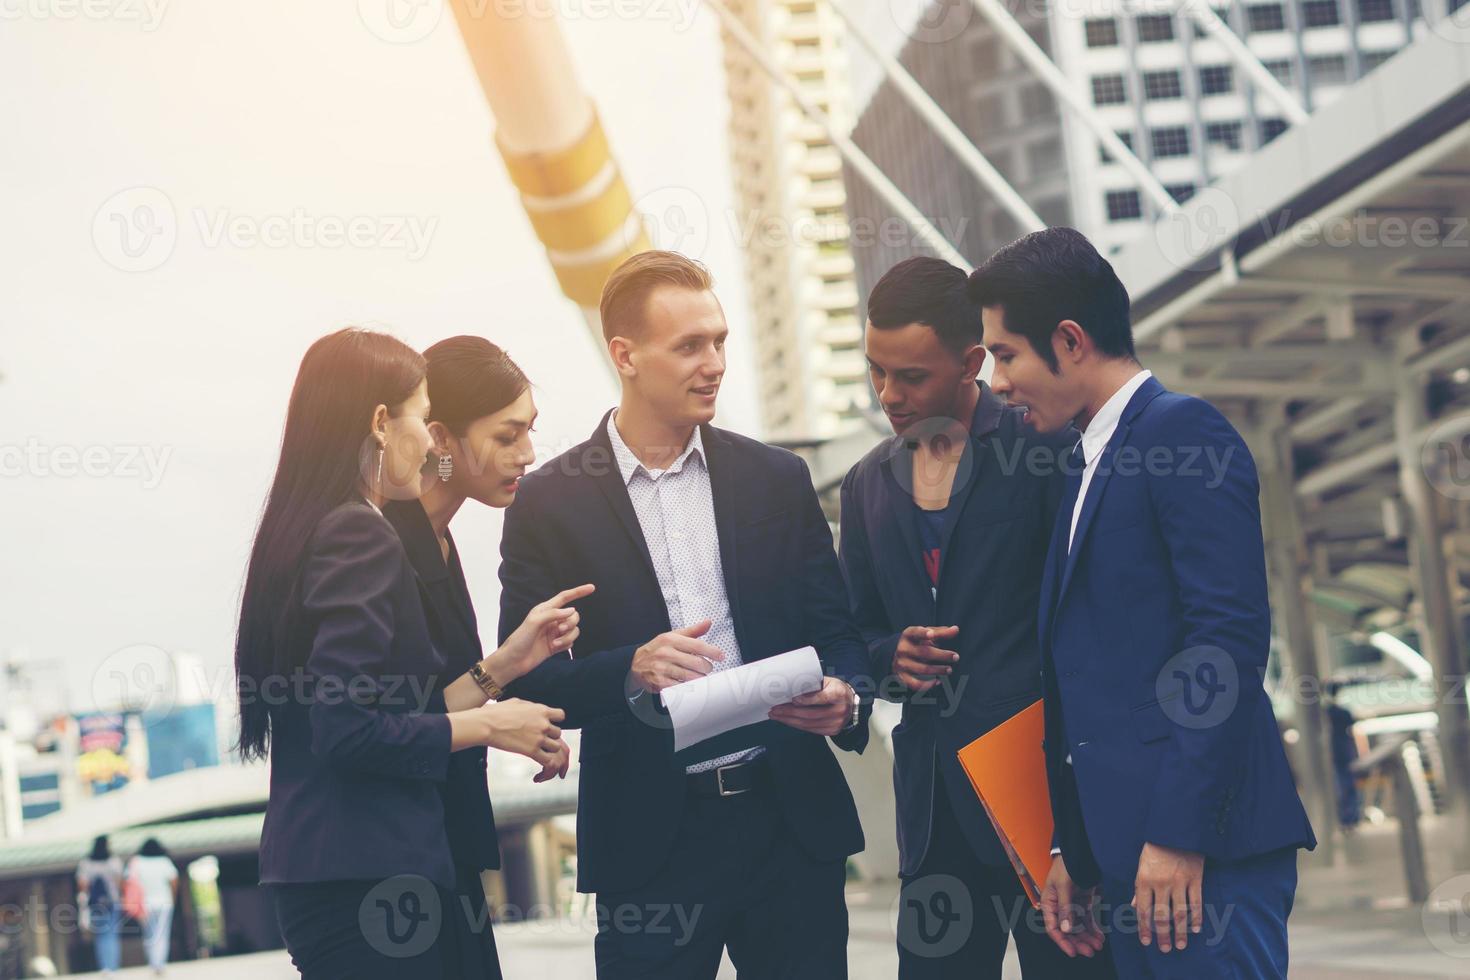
column 99, row 895
column 156, row 874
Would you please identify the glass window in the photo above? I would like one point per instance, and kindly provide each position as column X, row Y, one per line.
column 1161, row 85
column 1216, row 79
column 1370, row 11
column 1321, row 13
column 1265, row 17
column 1170, row 141
column 1108, row 90
column 1224, row 134
column 1155, row 27
column 1123, row 205
column 1271, row 128
column 1102, row 32
column 1328, row 69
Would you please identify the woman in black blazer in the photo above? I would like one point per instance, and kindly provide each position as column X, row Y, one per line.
column 480, row 424
column 342, row 683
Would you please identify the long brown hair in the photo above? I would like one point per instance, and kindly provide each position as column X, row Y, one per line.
column 342, row 379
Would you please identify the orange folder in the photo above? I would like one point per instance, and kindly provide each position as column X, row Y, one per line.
column 1007, row 767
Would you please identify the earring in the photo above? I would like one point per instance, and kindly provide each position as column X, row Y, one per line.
column 446, row 467
column 378, row 478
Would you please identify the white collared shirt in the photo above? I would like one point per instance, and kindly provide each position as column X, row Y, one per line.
column 676, row 511
column 1099, row 433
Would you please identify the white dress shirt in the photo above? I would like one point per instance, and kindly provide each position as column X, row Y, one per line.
column 676, row 511
column 1099, row 433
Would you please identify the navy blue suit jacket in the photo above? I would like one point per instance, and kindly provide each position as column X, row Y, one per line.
column 993, row 551
column 573, row 522
column 1154, row 631
column 359, row 739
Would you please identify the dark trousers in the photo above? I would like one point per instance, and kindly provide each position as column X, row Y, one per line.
column 364, row 930
column 1246, row 904
column 957, row 915
column 737, row 880
column 468, row 941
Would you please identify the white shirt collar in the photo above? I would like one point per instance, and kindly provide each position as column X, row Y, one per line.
column 629, row 464
column 1105, row 422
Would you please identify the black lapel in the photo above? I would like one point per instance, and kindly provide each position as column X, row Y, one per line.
column 435, row 575
column 901, row 512
column 464, row 608
column 609, row 480
column 723, row 473
column 988, row 413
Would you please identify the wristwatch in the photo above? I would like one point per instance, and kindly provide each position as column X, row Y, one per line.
column 857, row 710
column 482, row 677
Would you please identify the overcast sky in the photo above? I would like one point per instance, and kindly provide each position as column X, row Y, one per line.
column 216, row 121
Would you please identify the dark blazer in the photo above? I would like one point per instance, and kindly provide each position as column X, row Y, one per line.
column 573, row 522
column 993, row 550
column 468, row 817
column 1155, row 630
column 359, row 739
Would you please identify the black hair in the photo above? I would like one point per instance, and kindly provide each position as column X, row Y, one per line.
column 152, row 848
column 929, row 291
column 1050, row 276
column 101, row 851
column 470, row 378
column 342, row 379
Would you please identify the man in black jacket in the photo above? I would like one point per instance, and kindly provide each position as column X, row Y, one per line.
column 944, row 535
column 717, row 544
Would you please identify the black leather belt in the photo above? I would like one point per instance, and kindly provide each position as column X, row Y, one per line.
column 732, row 780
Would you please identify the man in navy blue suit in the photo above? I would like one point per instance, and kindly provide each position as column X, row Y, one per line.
column 1163, row 754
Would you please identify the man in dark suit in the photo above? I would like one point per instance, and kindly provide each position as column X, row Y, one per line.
column 1163, row 752
column 944, row 533
column 717, row 544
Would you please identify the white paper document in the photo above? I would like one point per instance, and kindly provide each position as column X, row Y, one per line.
column 718, row 703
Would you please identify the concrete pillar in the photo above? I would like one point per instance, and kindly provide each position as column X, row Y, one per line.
column 1442, row 639
column 1287, row 561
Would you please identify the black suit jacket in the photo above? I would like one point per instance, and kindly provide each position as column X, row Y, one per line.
column 993, row 553
column 573, row 522
column 359, row 739
column 468, row 816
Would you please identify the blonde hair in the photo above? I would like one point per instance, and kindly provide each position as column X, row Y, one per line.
column 625, row 295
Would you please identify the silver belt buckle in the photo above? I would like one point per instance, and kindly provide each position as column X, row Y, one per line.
column 720, row 780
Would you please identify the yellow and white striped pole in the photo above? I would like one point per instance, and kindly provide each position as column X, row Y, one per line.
column 554, row 147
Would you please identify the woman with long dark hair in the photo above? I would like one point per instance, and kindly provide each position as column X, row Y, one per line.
column 341, row 682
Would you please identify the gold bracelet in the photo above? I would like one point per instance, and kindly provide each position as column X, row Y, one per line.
column 482, row 677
